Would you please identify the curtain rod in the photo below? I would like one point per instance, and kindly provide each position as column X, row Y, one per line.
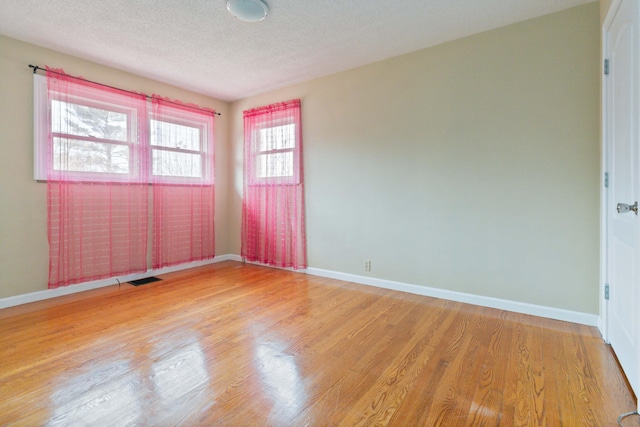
column 36, row 68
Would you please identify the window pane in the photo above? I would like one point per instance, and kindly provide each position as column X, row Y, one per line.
column 76, row 119
column 172, row 163
column 86, row 156
column 274, row 165
column 172, row 135
column 277, row 138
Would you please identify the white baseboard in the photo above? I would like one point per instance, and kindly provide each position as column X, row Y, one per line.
column 603, row 330
column 484, row 301
column 81, row 287
column 300, row 270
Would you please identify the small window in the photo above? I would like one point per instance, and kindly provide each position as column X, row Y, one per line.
column 275, row 154
column 274, row 157
column 181, row 146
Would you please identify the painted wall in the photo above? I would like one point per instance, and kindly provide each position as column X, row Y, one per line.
column 471, row 166
column 23, row 234
column 604, row 8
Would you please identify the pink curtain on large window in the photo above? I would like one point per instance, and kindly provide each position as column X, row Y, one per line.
column 181, row 143
column 273, row 220
column 96, row 181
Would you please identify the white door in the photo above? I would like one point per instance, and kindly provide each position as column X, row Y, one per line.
column 621, row 139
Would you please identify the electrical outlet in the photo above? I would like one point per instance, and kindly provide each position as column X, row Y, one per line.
column 367, row 265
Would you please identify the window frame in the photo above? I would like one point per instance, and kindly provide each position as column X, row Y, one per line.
column 43, row 129
column 130, row 142
column 202, row 122
column 295, row 150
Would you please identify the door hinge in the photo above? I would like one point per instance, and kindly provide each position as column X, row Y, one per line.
column 606, row 291
column 606, row 67
column 606, row 180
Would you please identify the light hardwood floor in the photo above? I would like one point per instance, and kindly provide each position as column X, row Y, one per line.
column 242, row 345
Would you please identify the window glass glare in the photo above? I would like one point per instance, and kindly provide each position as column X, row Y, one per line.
column 172, row 135
column 274, row 165
column 277, row 137
column 175, row 163
column 81, row 120
column 88, row 156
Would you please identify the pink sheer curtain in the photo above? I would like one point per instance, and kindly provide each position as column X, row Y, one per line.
column 181, row 143
column 273, row 226
column 96, row 181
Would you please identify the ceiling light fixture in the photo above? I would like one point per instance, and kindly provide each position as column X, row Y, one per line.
column 248, row 10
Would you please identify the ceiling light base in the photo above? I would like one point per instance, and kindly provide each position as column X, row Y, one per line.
column 248, row 10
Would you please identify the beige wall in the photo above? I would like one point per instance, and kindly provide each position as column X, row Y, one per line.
column 604, row 8
column 472, row 166
column 23, row 235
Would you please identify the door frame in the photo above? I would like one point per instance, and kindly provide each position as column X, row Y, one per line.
column 603, row 321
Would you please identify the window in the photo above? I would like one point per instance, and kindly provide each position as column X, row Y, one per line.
column 274, row 154
column 181, row 145
column 96, row 140
column 273, row 226
column 175, row 150
column 99, row 148
column 94, row 137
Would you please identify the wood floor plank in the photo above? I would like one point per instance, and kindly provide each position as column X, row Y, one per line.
column 381, row 402
column 234, row 345
column 486, row 409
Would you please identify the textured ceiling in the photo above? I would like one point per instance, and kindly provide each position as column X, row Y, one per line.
column 198, row 45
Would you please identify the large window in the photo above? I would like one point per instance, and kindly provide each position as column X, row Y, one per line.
column 95, row 138
column 92, row 137
column 124, row 173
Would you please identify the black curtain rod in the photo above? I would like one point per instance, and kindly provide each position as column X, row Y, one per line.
column 36, row 68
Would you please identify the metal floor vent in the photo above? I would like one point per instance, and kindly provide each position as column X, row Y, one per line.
column 144, row 281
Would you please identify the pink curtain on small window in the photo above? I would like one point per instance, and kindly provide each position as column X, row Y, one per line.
column 273, row 220
column 182, row 152
column 96, row 181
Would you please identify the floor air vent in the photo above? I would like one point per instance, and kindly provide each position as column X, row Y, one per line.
column 144, row 281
